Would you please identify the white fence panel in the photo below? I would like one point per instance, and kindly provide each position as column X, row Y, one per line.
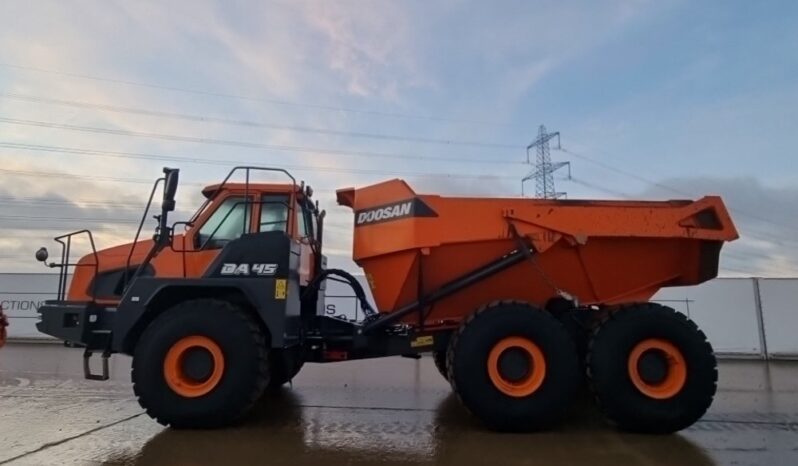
column 724, row 308
column 780, row 315
column 341, row 302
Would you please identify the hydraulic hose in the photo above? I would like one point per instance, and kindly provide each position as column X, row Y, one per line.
column 349, row 279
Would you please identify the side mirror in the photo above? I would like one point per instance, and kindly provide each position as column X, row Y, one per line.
column 42, row 254
column 170, row 188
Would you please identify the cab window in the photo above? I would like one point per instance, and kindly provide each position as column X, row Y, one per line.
column 302, row 222
column 308, row 220
column 228, row 222
column 274, row 213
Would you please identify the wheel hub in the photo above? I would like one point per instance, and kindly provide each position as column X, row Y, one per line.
column 193, row 366
column 657, row 368
column 653, row 367
column 197, row 364
column 514, row 364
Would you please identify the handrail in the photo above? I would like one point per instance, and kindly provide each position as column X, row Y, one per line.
column 66, row 249
column 248, row 169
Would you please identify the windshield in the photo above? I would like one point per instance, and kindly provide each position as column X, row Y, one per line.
column 228, row 222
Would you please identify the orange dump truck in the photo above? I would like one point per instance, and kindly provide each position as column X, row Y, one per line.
column 520, row 301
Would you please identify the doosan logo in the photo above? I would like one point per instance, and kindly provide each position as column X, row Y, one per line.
column 385, row 213
column 409, row 208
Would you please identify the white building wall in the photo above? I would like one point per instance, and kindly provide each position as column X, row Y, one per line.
column 20, row 296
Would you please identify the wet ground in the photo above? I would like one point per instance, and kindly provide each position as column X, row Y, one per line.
column 381, row 412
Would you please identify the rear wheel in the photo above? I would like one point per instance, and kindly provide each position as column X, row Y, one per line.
column 202, row 363
column 514, row 366
column 440, row 363
column 651, row 369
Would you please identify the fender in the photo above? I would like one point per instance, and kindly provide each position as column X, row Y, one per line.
column 259, row 272
column 276, row 304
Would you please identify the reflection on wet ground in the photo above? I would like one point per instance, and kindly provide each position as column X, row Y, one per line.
column 392, row 411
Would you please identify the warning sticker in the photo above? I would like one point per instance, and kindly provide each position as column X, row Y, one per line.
column 280, row 288
column 425, row 340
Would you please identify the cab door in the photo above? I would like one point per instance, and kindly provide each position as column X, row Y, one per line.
column 304, row 236
column 228, row 219
column 274, row 216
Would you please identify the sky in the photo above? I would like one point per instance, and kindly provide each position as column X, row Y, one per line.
column 652, row 99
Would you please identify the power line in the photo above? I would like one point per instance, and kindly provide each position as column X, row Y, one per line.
column 75, row 203
column 102, row 178
column 81, row 219
column 243, row 144
column 597, row 187
column 94, row 203
column 252, row 98
column 228, row 162
column 252, row 124
column 82, row 177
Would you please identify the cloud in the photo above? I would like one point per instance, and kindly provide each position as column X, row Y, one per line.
column 34, row 212
column 768, row 244
column 369, row 45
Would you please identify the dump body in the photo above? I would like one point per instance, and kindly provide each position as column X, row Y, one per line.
column 598, row 252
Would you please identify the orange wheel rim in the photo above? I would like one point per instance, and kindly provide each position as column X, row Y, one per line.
column 181, row 379
column 513, row 381
column 672, row 375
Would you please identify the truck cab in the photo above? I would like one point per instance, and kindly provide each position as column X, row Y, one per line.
column 255, row 246
column 230, row 210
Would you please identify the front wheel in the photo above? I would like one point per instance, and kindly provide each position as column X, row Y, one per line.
column 651, row 369
column 202, row 363
column 284, row 365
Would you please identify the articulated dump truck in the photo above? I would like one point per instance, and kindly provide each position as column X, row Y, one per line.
column 519, row 301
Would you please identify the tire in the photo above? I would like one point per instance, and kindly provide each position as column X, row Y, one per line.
column 284, row 365
column 665, row 393
column 439, row 357
column 200, row 364
column 542, row 375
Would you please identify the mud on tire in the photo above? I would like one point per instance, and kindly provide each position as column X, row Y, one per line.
column 537, row 392
column 244, row 368
column 682, row 384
